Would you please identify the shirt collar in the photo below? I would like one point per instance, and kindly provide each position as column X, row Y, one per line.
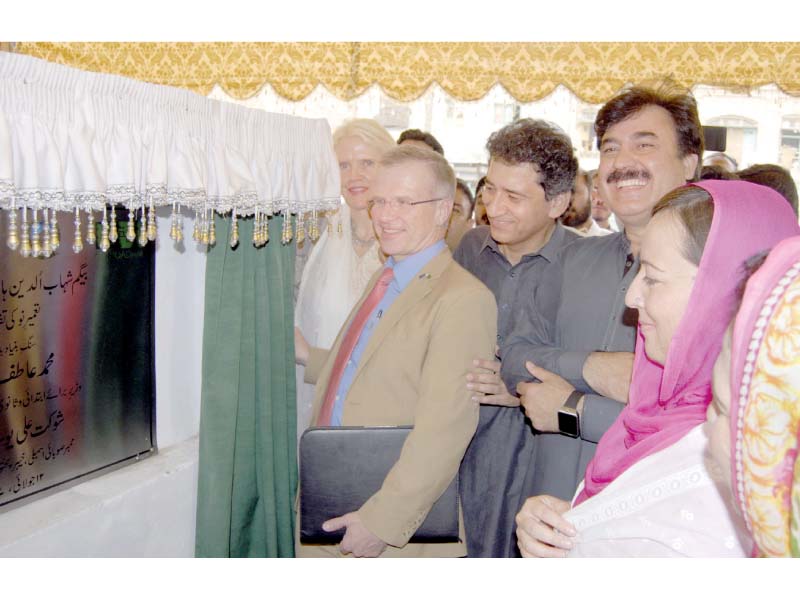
column 487, row 241
column 406, row 269
column 624, row 242
column 554, row 244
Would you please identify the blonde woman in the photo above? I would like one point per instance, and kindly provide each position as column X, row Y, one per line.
column 345, row 258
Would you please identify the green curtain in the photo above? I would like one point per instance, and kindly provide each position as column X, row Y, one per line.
column 248, row 464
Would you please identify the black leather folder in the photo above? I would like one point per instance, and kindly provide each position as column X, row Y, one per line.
column 342, row 467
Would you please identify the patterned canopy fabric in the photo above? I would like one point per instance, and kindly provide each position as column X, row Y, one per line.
column 465, row 70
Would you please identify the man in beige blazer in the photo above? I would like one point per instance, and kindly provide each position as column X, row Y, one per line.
column 411, row 367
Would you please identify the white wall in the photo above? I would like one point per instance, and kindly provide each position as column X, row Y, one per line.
column 147, row 508
column 143, row 510
column 180, row 292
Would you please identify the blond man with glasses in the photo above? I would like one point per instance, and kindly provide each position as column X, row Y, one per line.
column 402, row 359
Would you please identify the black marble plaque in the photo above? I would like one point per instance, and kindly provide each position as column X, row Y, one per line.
column 77, row 384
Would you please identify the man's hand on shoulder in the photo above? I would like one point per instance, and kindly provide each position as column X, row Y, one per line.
column 358, row 540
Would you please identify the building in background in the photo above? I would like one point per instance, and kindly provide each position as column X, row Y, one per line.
column 763, row 125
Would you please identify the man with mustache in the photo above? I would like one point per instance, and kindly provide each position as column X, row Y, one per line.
column 570, row 354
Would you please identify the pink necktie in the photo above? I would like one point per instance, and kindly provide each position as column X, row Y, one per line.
column 349, row 342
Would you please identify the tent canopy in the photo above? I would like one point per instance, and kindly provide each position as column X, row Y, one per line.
column 465, row 70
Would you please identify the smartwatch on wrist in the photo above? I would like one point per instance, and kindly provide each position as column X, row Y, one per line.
column 569, row 421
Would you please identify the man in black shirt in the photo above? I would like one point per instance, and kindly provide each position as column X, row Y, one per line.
column 528, row 186
column 570, row 354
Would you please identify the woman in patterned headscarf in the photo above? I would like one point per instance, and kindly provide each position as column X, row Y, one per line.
column 757, row 384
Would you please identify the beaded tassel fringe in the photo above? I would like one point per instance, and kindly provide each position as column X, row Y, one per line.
column 36, row 233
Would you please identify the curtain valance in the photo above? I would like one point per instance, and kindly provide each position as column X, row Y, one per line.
column 465, row 70
column 79, row 141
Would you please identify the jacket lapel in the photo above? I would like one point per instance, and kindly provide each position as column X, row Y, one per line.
column 422, row 285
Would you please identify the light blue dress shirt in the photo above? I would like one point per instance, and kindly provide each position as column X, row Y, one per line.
column 404, row 271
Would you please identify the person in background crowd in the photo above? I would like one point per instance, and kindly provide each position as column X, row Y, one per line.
column 461, row 220
column 773, row 176
column 754, row 419
column 480, row 208
column 722, row 161
column 528, row 186
column 571, row 351
column 601, row 214
column 716, row 172
column 402, row 359
column 346, row 255
column 423, row 139
column 692, row 255
column 578, row 215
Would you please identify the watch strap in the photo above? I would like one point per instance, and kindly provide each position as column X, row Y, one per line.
column 573, row 399
column 569, row 421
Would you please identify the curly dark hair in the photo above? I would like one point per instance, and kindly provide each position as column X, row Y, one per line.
column 421, row 136
column 677, row 101
column 539, row 143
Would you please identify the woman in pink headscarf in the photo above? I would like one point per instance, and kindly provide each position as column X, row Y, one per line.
column 754, row 419
column 648, row 490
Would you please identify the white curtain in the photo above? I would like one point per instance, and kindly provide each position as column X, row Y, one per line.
column 72, row 138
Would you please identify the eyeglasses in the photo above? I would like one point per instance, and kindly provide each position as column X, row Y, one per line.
column 398, row 204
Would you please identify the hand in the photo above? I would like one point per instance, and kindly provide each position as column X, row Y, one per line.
column 609, row 374
column 301, row 348
column 358, row 540
column 488, row 387
column 541, row 530
column 541, row 401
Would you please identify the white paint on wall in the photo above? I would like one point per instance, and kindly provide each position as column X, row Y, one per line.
column 180, row 294
column 146, row 509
